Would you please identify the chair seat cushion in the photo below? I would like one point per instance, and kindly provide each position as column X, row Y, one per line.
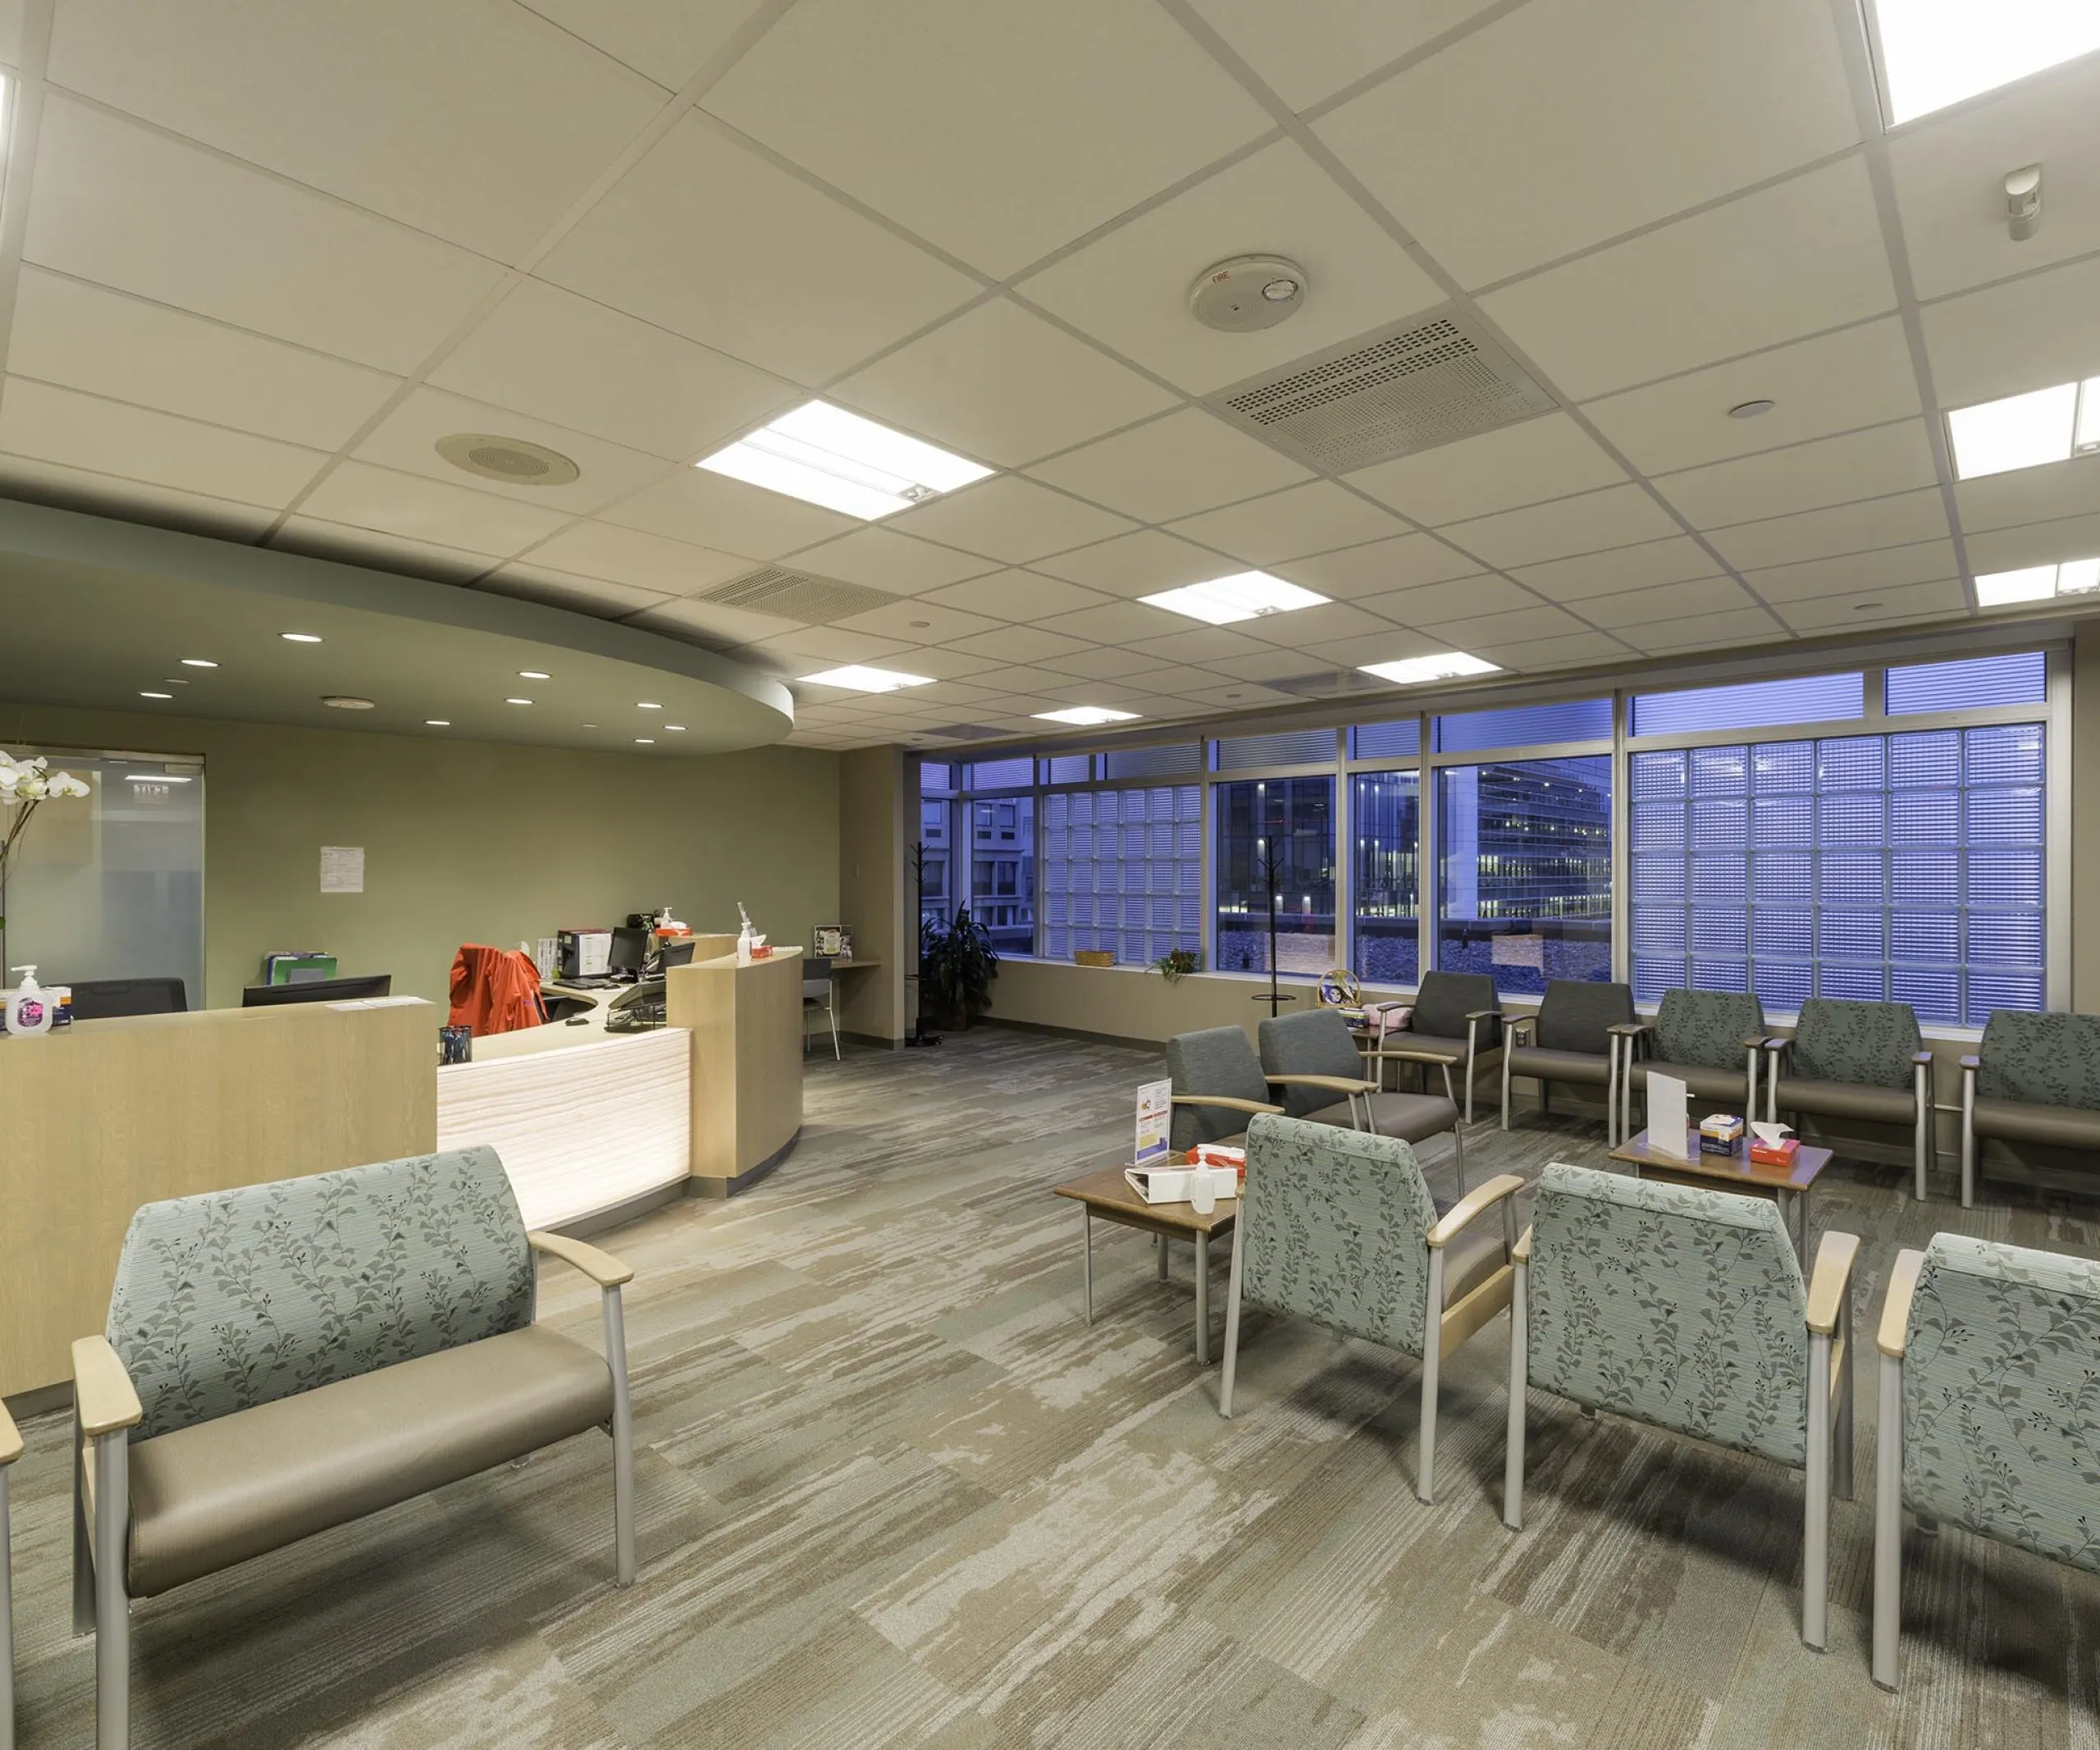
column 1699, row 1081
column 1453, row 1048
column 2016, row 1120
column 206, row 1496
column 1549, row 1065
column 1413, row 1117
column 1847, row 1099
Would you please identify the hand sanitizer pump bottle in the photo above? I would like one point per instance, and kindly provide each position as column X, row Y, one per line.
column 29, row 1009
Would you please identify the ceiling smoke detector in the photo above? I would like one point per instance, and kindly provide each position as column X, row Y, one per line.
column 511, row 460
column 1247, row 293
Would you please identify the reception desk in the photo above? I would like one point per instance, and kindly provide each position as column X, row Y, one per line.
column 746, row 1027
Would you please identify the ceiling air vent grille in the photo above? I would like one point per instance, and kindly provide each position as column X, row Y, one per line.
column 790, row 595
column 1430, row 380
column 1328, row 682
column 964, row 732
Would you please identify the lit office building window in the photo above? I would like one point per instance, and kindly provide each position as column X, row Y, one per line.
column 1292, row 820
column 1002, row 870
column 937, row 899
column 1385, row 819
column 1122, row 872
column 1524, row 870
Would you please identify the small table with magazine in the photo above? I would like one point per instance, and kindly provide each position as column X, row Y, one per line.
column 1108, row 1194
column 1788, row 1186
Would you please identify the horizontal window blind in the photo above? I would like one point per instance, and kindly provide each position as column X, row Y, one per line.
column 1753, row 705
column 1387, row 740
column 1165, row 761
column 1238, row 753
column 1525, row 726
column 2020, row 678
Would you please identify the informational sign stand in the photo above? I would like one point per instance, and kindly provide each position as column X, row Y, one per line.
column 1667, row 1119
column 1155, row 1119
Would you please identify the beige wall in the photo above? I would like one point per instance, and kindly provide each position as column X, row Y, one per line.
column 473, row 841
column 2085, row 819
column 871, row 889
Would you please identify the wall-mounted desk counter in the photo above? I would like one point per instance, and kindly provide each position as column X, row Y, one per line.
column 746, row 1027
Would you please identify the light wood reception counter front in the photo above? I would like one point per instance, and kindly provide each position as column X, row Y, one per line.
column 103, row 1116
column 746, row 1027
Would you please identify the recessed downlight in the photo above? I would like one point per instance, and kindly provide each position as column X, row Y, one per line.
column 1446, row 665
column 647, row 705
column 516, row 701
column 300, row 637
column 1086, row 716
column 438, row 723
column 198, row 662
column 1751, row 409
column 156, row 695
column 676, row 727
column 534, row 674
column 644, row 741
column 513, row 460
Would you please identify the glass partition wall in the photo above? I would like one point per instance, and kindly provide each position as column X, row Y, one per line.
column 1894, row 830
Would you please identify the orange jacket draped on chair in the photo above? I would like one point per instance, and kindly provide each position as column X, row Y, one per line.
column 495, row 990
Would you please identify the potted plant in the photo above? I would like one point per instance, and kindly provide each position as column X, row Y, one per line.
column 957, row 964
column 26, row 785
column 1176, row 964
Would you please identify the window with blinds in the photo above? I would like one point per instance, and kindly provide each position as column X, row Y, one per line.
column 1122, row 870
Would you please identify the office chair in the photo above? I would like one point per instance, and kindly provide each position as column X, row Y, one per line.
column 818, row 995
column 106, row 998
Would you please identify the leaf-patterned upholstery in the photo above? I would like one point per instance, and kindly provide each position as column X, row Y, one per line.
column 236, row 1299
column 1862, row 1044
column 2041, row 1060
column 1214, row 1060
column 1681, row 1308
column 2002, row 1395
column 1705, row 1029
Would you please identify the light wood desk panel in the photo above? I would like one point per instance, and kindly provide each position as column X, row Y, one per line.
column 107, row 1115
column 746, row 1028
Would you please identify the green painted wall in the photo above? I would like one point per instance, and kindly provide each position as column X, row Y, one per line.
column 473, row 841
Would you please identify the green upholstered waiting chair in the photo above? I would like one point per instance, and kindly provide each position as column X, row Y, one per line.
column 1685, row 1310
column 1338, row 1227
column 1311, row 1056
column 1856, row 1060
column 1710, row 1041
column 2034, row 1078
column 1989, row 1417
column 1218, row 1085
column 1570, row 1040
column 11, row 1449
column 1458, row 1020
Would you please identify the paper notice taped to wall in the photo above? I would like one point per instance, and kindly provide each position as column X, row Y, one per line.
column 1518, row 951
column 342, row 869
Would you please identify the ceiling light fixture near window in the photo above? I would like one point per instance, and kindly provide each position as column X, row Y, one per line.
column 198, row 662
column 516, row 701
column 534, row 674
column 856, row 679
column 1086, row 716
column 676, row 728
column 647, row 705
column 156, row 695
column 515, row 461
column 1752, row 409
column 1935, row 53
column 1246, row 595
column 644, row 741
column 2001, row 589
column 1446, row 665
column 824, row 455
column 1247, row 293
column 438, row 723
column 300, row 637
column 2025, row 431
column 346, row 702
column 154, row 778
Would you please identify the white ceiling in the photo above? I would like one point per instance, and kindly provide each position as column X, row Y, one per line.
column 255, row 258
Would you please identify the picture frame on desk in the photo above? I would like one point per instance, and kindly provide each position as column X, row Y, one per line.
column 834, row 943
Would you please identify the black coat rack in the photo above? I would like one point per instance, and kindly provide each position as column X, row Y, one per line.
column 919, row 1036
column 1274, row 996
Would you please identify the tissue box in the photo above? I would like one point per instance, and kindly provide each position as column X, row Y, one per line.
column 1784, row 1153
column 1719, row 1133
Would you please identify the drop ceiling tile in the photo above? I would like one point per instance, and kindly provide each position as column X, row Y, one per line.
column 580, row 595
column 1402, row 562
column 82, row 337
column 1518, row 626
column 710, row 511
column 1306, row 626
column 2030, row 495
column 1022, row 596
column 1572, row 650
column 1023, row 682
column 1883, row 567
column 1009, row 519
column 1395, row 645
column 1844, row 528
column 1632, row 610
column 548, row 353
column 133, row 443
column 496, row 124
column 1876, row 607
column 1101, row 665
column 317, row 539
column 655, row 247
column 1705, row 632
column 1274, row 664
column 883, row 559
column 2036, row 544
column 2009, row 339
column 1294, row 524
column 943, row 664
column 1116, row 622
column 1143, row 564
column 1174, row 467
column 1616, row 517
column 834, row 646
column 1240, row 696
column 1827, row 471
column 1521, row 464
column 957, row 692
column 1726, row 282
column 1677, row 560
column 917, row 621
column 1631, row 110
column 1837, row 382
column 408, row 437
column 1197, row 645
column 1311, row 48
column 614, row 554
column 1129, row 288
column 119, row 204
column 997, row 130
column 65, row 488
column 1001, row 385
column 668, row 41
column 1019, row 644
column 428, row 511
column 1435, row 602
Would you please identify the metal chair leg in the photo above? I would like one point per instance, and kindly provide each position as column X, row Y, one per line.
column 6, row 1627
column 1888, row 1525
column 1433, row 1356
column 1512, row 1455
column 112, row 1454
column 623, row 1439
column 1230, row 1367
column 1815, row 1531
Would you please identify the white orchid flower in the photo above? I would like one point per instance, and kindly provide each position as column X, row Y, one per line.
column 65, row 783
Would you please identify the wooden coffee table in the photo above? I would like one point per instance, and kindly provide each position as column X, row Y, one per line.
column 1107, row 1194
column 1788, row 1186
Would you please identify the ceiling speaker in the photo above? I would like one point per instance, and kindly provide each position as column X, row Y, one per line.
column 511, row 460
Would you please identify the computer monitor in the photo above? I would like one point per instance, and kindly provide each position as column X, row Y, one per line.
column 630, row 949
column 675, row 954
column 318, row 990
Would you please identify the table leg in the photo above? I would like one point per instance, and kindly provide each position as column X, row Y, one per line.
column 1086, row 1222
column 1202, row 1299
column 1159, row 1246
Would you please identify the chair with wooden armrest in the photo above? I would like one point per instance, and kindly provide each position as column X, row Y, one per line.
column 1312, row 1058
column 2034, row 1079
column 1457, row 1019
column 1856, row 1060
column 285, row 1358
column 11, row 1449
column 1569, row 1041
column 1685, row 1308
column 1713, row 1041
column 1218, row 1085
column 1989, row 1418
column 1338, row 1227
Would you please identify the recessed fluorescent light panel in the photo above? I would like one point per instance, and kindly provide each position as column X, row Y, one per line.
column 1247, row 595
column 2075, row 577
column 860, row 679
column 2025, row 431
column 1448, row 665
column 1086, row 716
column 1935, row 53
column 824, row 455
